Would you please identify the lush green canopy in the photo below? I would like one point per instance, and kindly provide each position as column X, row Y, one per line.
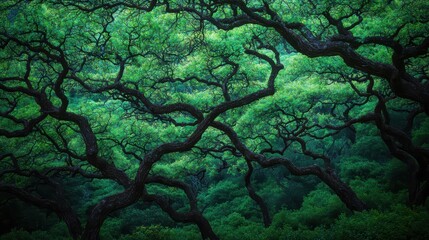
column 132, row 119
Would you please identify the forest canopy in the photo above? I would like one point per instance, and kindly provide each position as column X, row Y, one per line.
column 218, row 119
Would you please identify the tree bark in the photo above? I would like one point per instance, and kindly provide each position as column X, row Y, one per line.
column 343, row 191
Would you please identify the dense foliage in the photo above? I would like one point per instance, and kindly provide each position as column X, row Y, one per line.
column 132, row 119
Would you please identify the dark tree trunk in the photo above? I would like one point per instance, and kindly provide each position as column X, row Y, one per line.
column 418, row 189
column 255, row 197
column 205, row 228
column 343, row 191
column 72, row 221
column 62, row 209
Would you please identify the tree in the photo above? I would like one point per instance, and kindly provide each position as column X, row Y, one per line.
column 149, row 96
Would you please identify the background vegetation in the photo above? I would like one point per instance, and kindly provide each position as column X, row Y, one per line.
column 214, row 119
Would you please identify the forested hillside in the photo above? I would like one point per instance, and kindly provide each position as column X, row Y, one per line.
column 217, row 119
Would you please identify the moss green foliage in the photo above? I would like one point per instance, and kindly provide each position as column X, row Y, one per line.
column 175, row 59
